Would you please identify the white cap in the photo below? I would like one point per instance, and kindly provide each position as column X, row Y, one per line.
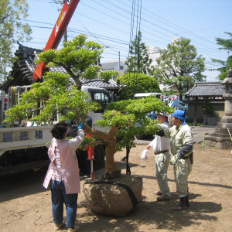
column 161, row 113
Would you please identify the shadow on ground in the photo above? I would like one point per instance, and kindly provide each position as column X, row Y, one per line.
column 153, row 213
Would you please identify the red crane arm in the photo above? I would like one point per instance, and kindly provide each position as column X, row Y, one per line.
column 58, row 31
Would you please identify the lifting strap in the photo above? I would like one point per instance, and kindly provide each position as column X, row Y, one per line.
column 128, row 171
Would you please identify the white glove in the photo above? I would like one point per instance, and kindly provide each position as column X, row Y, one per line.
column 174, row 159
column 144, row 154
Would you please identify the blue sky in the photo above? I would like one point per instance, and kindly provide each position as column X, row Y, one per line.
column 108, row 22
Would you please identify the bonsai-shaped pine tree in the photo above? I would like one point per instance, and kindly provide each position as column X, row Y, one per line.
column 60, row 93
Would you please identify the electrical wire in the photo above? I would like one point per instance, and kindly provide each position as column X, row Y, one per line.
column 201, row 47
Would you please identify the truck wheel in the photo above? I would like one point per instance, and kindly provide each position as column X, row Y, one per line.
column 99, row 157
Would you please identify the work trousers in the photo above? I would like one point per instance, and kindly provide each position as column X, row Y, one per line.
column 59, row 197
column 182, row 169
column 162, row 162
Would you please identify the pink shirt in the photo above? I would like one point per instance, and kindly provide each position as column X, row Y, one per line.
column 64, row 164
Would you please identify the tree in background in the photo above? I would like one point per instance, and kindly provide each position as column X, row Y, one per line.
column 61, row 93
column 179, row 66
column 12, row 29
column 136, row 83
column 138, row 60
column 226, row 44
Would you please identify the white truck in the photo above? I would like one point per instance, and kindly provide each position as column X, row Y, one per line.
column 16, row 142
column 178, row 105
column 25, row 147
column 174, row 101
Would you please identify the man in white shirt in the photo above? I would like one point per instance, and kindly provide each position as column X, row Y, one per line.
column 160, row 147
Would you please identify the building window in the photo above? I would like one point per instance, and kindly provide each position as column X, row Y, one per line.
column 121, row 68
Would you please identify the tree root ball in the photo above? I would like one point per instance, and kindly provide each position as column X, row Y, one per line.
column 115, row 197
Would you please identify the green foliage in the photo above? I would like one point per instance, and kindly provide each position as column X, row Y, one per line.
column 210, row 109
column 78, row 58
column 226, row 44
column 137, row 83
column 12, row 29
column 179, row 65
column 86, row 141
column 130, row 117
column 226, row 65
column 229, row 133
column 192, row 124
column 59, row 93
column 138, row 60
column 107, row 75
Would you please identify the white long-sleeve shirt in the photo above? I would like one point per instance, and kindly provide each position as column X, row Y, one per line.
column 160, row 143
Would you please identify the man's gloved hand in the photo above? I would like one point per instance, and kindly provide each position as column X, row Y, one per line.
column 174, row 159
column 80, row 126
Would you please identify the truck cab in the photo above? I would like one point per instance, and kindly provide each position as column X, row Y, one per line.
column 101, row 96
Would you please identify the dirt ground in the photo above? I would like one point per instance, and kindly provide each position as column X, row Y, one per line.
column 25, row 206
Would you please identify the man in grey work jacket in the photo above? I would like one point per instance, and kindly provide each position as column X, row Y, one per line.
column 181, row 145
column 162, row 158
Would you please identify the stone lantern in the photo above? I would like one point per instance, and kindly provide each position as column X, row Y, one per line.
column 220, row 137
column 228, row 98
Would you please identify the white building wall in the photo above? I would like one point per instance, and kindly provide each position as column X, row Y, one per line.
column 114, row 65
column 154, row 53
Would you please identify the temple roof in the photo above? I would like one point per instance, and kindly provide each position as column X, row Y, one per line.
column 22, row 71
column 206, row 89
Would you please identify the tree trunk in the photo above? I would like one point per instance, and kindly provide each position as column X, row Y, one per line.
column 110, row 167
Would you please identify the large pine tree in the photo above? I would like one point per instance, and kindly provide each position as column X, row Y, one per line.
column 226, row 44
column 179, row 66
column 138, row 60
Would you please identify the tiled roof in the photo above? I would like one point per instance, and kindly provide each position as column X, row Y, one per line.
column 22, row 71
column 206, row 89
column 26, row 66
column 111, row 84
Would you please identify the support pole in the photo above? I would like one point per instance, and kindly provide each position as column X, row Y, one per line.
column 91, row 157
column 205, row 115
column 195, row 112
column 119, row 61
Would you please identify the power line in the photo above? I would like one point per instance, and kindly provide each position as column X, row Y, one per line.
column 166, row 35
column 200, row 46
column 169, row 24
column 164, row 29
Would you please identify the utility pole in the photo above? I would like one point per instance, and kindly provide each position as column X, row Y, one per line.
column 62, row 2
column 65, row 36
column 65, row 33
column 119, row 61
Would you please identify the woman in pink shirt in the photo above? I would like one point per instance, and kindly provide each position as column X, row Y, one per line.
column 63, row 174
